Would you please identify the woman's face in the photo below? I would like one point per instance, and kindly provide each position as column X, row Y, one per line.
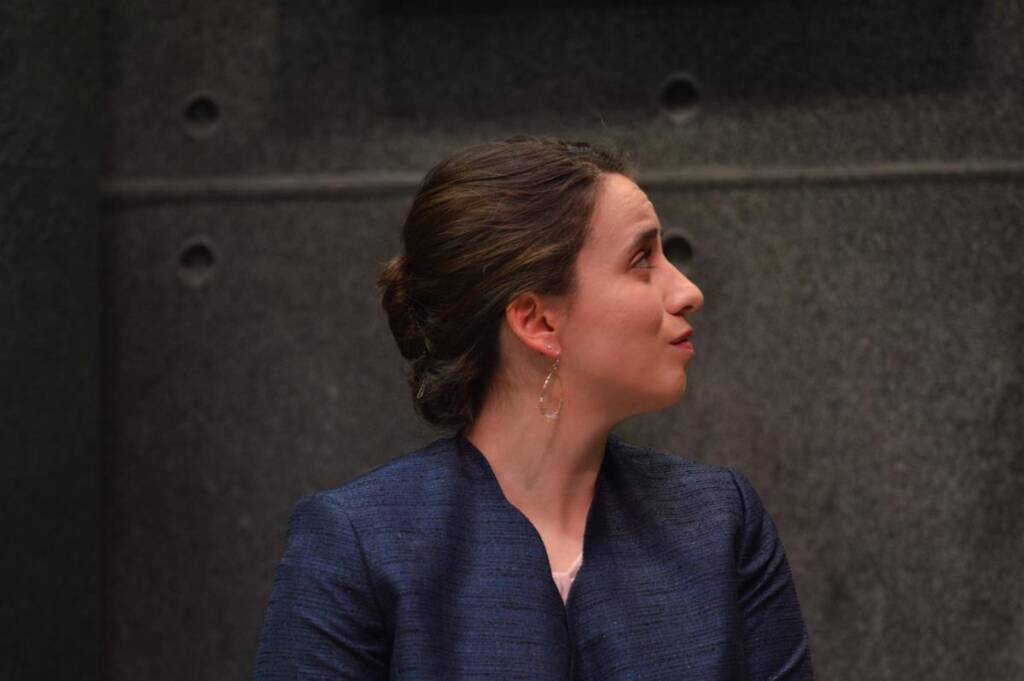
column 629, row 307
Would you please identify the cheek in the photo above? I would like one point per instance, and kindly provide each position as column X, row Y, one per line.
column 621, row 329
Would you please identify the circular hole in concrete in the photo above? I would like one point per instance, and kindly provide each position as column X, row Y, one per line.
column 196, row 262
column 680, row 97
column 677, row 248
column 202, row 114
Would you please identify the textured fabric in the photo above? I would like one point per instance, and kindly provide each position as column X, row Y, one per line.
column 422, row 569
column 564, row 579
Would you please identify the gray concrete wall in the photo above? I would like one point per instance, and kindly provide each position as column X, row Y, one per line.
column 848, row 176
column 49, row 340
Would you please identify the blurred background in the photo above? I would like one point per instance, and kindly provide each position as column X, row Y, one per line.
column 196, row 197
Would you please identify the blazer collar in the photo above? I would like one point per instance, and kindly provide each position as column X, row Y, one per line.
column 595, row 535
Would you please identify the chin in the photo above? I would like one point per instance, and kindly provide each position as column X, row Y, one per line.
column 671, row 398
column 649, row 402
column 680, row 390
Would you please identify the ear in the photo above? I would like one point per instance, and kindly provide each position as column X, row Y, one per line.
column 535, row 320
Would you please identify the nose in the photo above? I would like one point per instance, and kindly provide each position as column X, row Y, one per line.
column 686, row 296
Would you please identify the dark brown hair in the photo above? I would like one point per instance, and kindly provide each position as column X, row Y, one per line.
column 486, row 225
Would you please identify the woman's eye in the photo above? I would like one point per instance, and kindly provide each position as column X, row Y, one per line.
column 646, row 256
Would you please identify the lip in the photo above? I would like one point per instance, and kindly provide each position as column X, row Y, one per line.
column 684, row 337
column 686, row 346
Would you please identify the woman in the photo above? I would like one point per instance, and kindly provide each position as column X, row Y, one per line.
column 538, row 311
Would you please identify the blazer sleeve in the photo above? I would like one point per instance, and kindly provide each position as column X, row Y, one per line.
column 323, row 620
column 775, row 641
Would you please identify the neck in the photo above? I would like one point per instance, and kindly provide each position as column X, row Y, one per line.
column 546, row 469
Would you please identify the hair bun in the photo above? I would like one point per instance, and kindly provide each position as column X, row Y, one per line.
column 393, row 285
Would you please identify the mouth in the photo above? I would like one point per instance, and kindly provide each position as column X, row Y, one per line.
column 683, row 338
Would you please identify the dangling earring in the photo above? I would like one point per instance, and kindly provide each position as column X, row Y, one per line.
column 547, row 381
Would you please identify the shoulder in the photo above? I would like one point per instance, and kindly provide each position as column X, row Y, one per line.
column 659, row 463
column 661, row 470
column 686, row 488
column 397, row 478
column 713, row 499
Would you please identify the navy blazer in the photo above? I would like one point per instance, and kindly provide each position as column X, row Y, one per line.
column 422, row 569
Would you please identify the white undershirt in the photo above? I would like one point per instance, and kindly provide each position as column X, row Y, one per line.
column 564, row 580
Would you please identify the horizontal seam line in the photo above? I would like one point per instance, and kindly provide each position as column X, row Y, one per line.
column 278, row 186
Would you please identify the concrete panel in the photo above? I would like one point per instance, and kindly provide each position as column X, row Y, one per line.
column 368, row 85
column 239, row 380
column 859, row 355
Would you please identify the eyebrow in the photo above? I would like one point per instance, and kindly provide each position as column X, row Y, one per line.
column 643, row 238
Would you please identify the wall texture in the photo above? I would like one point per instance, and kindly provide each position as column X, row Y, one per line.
column 847, row 175
column 49, row 341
